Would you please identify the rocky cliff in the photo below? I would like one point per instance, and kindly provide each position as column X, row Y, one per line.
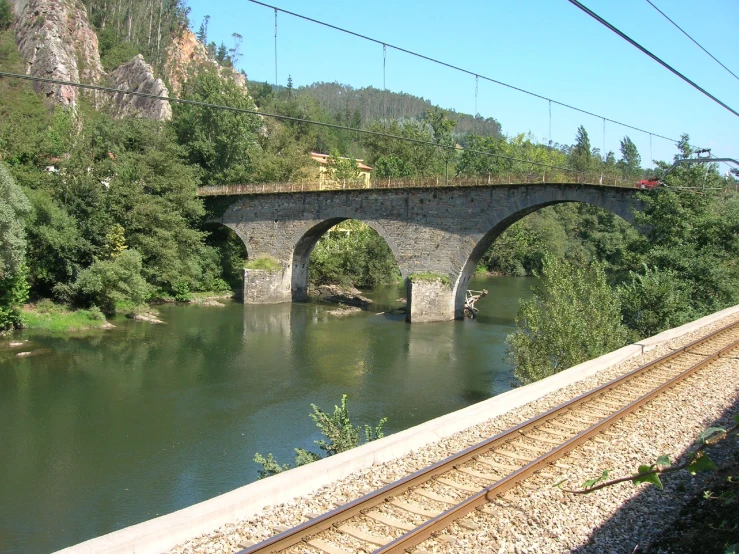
column 139, row 76
column 56, row 41
column 186, row 55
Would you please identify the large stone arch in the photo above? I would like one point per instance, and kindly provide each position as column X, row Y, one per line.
column 484, row 243
column 306, row 239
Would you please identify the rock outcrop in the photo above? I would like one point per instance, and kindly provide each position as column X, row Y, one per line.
column 138, row 75
column 186, row 55
column 56, row 41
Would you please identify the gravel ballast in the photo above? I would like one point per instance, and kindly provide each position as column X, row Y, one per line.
column 538, row 517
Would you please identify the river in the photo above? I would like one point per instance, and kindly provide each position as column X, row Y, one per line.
column 101, row 430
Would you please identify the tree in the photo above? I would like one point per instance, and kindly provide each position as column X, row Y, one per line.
column 221, row 142
column 581, row 155
column 202, row 34
column 14, row 207
column 341, row 168
column 112, row 284
column 574, row 316
column 653, row 301
column 630, row 162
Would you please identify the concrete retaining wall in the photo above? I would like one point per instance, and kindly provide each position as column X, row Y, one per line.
column 165, row 532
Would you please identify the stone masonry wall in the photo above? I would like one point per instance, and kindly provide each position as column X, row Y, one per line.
column 438, row 230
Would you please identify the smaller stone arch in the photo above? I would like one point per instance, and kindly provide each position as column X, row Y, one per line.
column 306, row 239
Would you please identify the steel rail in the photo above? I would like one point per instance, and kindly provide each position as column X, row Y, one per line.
column 298, row 534
column 426, row 530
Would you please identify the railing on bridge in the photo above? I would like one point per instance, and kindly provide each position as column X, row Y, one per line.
column 417, row 182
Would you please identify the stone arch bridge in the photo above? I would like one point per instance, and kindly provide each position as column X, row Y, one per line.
column 441, row 231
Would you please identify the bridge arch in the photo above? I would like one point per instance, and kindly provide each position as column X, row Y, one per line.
column 499, row 227
column 306, row 239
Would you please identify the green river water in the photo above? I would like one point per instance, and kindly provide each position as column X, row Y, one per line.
column 102, row 430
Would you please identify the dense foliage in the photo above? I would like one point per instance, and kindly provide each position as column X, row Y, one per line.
column 13, row 288
column 351, row 253
column 129, row 28
column 681, row 268
column 573, row 316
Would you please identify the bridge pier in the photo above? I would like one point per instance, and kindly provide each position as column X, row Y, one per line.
column 428, row 300
column 266, row 287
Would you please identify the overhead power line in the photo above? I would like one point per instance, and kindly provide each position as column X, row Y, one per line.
column 648, row 53
column 275, row 116
column 691, row 38
column 457, row 68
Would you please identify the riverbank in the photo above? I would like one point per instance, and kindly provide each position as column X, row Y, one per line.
column 47, row 316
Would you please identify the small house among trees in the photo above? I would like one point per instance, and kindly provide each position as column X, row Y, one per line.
column 336, row 171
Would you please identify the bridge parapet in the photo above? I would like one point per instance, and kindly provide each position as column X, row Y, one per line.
column 553, row 178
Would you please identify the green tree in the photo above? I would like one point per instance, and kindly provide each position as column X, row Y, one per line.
column 630, row 162
column 574, row 316
column 341, row 168
column 352, row 253
column 581, row 155
column 223, row 143
column 653, row 301
column 14, row 207
column 112, row 284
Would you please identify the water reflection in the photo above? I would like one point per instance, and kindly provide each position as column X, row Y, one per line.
column 112, row 428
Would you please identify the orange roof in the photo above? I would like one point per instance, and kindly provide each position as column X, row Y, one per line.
column 323, row 159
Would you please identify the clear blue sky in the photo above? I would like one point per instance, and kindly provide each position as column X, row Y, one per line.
column 547, row 46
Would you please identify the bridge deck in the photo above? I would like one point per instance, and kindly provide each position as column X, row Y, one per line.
column 427, row 182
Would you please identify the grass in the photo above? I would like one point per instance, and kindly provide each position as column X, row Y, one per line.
column 47, row 316
column 267, row 263
column 443, row 279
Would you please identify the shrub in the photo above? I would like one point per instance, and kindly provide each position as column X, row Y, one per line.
column 342, row 435
column 267, row 263
column 107, row 283
column 574, row 316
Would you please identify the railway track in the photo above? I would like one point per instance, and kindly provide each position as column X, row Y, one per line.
column 406, row 512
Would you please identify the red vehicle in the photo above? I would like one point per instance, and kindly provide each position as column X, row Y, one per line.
column 647, row 183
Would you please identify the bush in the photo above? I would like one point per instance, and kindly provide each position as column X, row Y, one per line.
column 13, row 292
column 267, row 263
column 108, row 283
column 342, row 435
column 574, row 316
column 654, row 301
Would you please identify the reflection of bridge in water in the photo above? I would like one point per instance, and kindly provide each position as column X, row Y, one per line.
column 437, row 234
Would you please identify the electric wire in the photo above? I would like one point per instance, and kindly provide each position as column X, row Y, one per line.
column 691, row 38
column 457, row 68
column 277, row 116
column 664, row 64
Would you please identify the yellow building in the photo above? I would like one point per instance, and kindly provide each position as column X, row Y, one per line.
column 328, row 178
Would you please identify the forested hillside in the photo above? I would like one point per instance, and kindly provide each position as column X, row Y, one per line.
column 362, row 106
